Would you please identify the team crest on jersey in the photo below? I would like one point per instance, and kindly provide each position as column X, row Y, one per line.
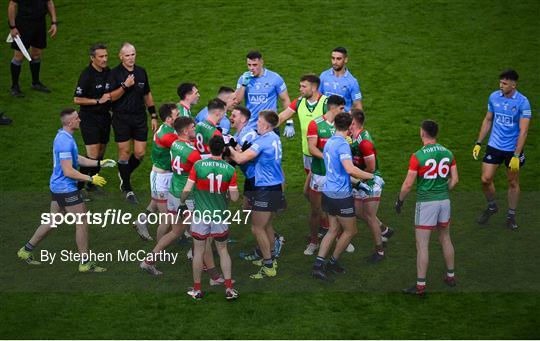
column 99, row 86
column 79, row 91
column 141, row 84
column 266, row 85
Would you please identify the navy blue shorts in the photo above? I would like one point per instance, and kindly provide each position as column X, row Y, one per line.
column 67, row 199
column 496, row 156
column 268, row 198
column 343, row 207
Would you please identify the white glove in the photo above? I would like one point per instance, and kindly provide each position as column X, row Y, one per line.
column 377, row 180
column 246, row 77
column 289, row 129
column 363, row 187
column 107, row 163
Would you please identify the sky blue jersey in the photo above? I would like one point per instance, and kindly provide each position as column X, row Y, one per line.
column 338, row 183
column 64, row 148
column 345, row 86
column 268, row 161
column 246, row 134
column 262, row 94
column 506, row 115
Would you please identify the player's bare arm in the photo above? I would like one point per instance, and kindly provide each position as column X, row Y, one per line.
column 356, row 172
column 233, row 193
column 285, row 100
column 239, row 95
column 407, row 185
column 119, row 92
column 486, row 126
column 12, row 13
column 523, row 131
column 187, row 189
column 285, row 115
column 52, row 12
column 454, row 178
column 242, row 157
column 91, row 101
column 312, row 144
column 370, row 163
column 357, row 105
column 149, row 102
column 72, row 173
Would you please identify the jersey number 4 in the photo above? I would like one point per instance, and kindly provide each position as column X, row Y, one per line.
column 437, row 170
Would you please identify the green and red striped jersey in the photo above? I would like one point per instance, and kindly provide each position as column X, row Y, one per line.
column 161, row 145
column 432, row 162
column 183, row 157
column 322, row 130
column 363, row 146
column 212, row 179
column 204, row 131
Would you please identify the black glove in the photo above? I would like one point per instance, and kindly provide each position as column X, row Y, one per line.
column 398, row 205
column 246, row 146
column 232, row 142
column 182, row 207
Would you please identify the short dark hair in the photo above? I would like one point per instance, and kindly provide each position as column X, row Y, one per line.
column 66, row 112
column 216, row 103
column 95, row 47
column 430, row 127
column 335, row 101
column 312, row 78
column 165, row 110
column 254, row 54
column 225, row 90
column 343, row 121
column 216, row 145
column 358, row 115
column 243, row 110
column 270, row 116
column 184, row 89
column 341, row 50
column 182, row 123
column 509, row 74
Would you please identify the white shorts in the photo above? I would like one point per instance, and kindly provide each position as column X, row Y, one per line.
column 317, row 182
column 159, row 185
column 173, row 203
column 307, row 163
column 201, row 231
column 432, row 214
column 363, row 196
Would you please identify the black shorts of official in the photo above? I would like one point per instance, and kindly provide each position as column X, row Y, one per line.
column 95, row 127
column 33, row 33
column 268, row 198
column 496, row 156
column 127, row 127
column 249, row 189
column 343, row 207
column 67, row 199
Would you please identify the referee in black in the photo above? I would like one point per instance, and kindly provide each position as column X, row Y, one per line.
column 131, row 96
column 92, row 94
column 27, row 20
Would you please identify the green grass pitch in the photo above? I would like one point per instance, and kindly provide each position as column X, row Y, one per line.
column 414, row 60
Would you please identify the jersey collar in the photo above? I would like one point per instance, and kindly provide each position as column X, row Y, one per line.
column 513, row 96
column 344, row 75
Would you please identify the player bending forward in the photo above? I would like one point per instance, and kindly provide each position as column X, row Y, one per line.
column 212, row 178
column 430, row 166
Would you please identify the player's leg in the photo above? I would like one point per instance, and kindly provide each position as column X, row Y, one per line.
column 25, row 253
column 448, row 253
column 370, row 213
column 422, row 256
column 259, row 221
column 124, row 150
column 314, row 222
column 489, row 167
column 199, row 246
column 348, row 224
column 16, row 66
column 216, row 278
column 513, row 198
column 221, row 234
column 35, row 67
